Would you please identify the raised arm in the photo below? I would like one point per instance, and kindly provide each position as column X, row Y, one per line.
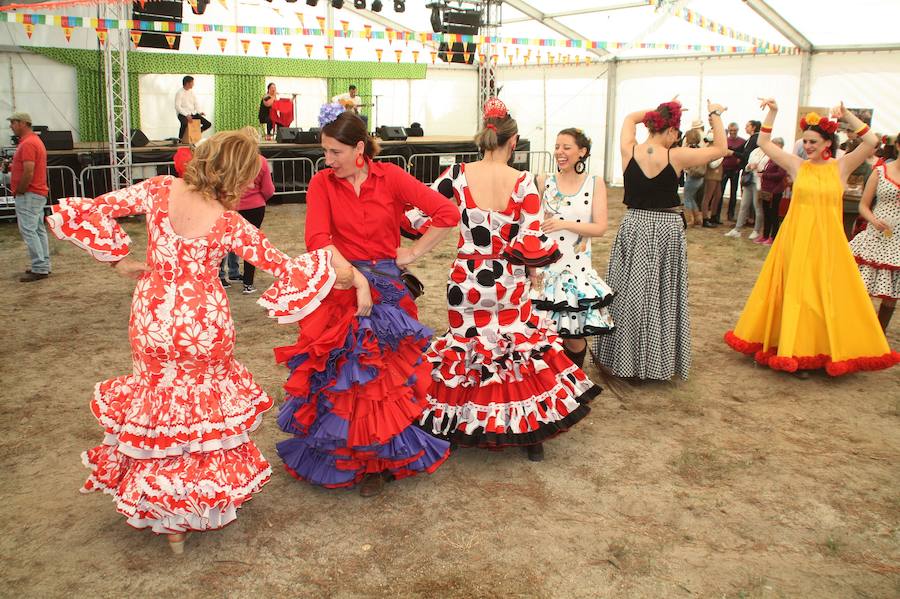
column 789, row 162
column 628, row 136
column 683, row 157
column 851, row 160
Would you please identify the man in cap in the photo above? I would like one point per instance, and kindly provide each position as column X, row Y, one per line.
column 27, row 180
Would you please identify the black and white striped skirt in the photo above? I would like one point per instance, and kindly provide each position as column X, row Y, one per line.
column 648, row 273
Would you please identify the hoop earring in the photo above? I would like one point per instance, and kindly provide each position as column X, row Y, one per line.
column 826, row 154
column 580, row 165
column 360, row 161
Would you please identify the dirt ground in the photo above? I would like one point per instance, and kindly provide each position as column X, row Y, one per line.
column 739, row 483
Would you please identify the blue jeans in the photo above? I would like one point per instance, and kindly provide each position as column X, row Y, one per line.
column 30, row 216
column 692, row 185
column 234, row 266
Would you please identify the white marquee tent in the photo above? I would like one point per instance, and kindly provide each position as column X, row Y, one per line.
column 828, row 50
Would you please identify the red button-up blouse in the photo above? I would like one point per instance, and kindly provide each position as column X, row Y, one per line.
column 368, row 227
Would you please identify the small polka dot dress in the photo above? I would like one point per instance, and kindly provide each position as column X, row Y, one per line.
column 574, row 297
column 499, row 377
column 877, row 254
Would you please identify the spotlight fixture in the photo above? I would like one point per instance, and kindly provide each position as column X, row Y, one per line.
column 360, row 4
column 399, row 5
column 376, row 6
column 337, row 3
column 312, row 2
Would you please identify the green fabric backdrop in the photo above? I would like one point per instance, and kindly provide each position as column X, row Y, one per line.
column 236, row 79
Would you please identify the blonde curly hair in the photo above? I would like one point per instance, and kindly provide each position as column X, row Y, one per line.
column 224, row 165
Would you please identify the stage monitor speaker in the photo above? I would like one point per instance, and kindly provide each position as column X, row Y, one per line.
column 138, row 139
column 286, row 135
column 307, row 137
column 57, row 140
column 414, row 130
column 392, row 133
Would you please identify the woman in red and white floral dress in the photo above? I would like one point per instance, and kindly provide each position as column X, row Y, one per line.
column 499, row 377
column 176, row 455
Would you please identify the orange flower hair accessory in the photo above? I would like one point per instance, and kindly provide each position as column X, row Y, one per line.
column 494, row 108
column 814, row 119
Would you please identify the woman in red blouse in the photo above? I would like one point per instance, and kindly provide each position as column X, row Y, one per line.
column 358, row 380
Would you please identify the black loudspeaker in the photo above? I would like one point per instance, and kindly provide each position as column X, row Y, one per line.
column 392, row 133
column 57, row 140
column 307, row 137
column 286, row 135
column 414, row 130
column 138, row 139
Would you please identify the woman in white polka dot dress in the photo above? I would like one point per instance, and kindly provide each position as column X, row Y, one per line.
column 571, row 293
column 877, row 247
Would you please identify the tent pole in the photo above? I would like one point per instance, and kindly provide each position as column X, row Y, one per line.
column 609, row 146
column 805, row 72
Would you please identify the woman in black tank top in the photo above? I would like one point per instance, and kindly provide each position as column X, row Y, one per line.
column 648, row 260
column 265, row 109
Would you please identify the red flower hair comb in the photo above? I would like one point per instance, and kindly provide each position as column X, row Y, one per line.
column 494, row 108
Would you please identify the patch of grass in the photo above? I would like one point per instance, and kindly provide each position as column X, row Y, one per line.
column 832, row 545
column 701, row 465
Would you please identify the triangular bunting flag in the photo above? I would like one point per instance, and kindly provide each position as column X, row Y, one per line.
column 329, row 52
column 287, row 48
column 481, row 58
column 433, row 57
column 378, row 52
column 266, row 46
column 223, row 41
column 136, row 37
column 198, row 39
column 345, row 26
column 245, row 44
column 224, row 3
column 309, row 48
column 67, row 31
column 415, row 54
column 101, row 35
column 300, row 18
column 142, row 2
column 29, row 29
column 368, row 30
column 193, row 4
column 321, row 21
column 349, row 51
column 170, row 39
column 399, row 54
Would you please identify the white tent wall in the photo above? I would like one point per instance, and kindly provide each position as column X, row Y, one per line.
column 861, row 80
column 311, row 94
column 445, row 101
column 546, row 100
column 40, row 86
column 392, row 100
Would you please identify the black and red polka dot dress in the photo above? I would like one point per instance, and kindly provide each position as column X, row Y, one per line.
column 500, row 378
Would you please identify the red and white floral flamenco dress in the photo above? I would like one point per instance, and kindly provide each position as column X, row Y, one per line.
column 176, row 455
column 499, row 377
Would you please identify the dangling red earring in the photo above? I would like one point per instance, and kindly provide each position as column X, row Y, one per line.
column 826, row 154
column 360, row 161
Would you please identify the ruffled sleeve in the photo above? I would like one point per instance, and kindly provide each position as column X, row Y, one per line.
column 530, row 246
column 90, row 223
column 304, row 282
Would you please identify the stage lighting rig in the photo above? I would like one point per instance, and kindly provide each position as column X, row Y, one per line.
column 376, row 6
column 399, row 5
column 437, row 21
column 312, row 2
column 337, row 3
column 360, row 4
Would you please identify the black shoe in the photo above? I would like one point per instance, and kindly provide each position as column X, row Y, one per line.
column 715, row 220
column 709, row 224
column 29, row 272
column 535, row 452
column 29, row 277
column 225, row 283
column 236, row 278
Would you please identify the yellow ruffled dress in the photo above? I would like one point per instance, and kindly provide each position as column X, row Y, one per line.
column 809, row 307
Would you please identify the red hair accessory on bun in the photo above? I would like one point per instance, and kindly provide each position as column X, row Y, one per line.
column 494, row 108
column 491, row 126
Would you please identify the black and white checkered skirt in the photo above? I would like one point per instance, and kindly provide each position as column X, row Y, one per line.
column 648, row 273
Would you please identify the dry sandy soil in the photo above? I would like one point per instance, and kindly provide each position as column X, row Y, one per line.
column 740, row 482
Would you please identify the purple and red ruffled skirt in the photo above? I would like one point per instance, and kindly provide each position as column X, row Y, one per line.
column 356, row 387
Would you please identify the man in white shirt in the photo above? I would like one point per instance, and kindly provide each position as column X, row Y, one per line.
column 187, row 108
column 350, row 100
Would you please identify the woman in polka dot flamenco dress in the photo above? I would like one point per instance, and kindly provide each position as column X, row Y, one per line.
column 176, row 456
column 500, row 378
column 571, row 292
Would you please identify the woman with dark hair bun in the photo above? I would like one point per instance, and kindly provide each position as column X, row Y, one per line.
column 358, row 379
column 500, row 378
column 648, row 260
column 574, row 204
column 809, row 308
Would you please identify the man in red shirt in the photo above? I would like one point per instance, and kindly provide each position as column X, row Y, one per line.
column 28, row 182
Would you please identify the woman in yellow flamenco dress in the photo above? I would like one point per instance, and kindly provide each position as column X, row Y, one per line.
column 809, row 308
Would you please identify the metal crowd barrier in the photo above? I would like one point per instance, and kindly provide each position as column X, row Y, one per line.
column 61, row 180
column 97, row 180
column 428, row 167
column 291, row 175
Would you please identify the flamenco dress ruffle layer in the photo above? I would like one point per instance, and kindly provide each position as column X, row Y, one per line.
column 176, row 454
column 577, row 306
column 809, row 308
column 500, row 377
column 356, row 386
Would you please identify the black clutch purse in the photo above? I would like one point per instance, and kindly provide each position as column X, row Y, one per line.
column 413, row 284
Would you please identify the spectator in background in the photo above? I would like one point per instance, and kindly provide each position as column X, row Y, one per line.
column 731, row 172
column 712, row 189
column 253, row 208
column 772, row 181
column 750, row 197
column 27, row 181
column 187, row 108
column 694, row 178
